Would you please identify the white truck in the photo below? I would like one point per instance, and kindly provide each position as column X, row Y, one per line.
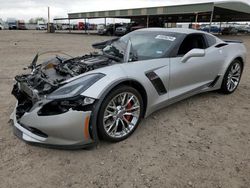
column 41, row 25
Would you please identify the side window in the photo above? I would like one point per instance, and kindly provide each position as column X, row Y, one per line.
column 211, row 40
column 190, row 42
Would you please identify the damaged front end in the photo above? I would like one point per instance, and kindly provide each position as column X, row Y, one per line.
column 51, row 110
column 50, row 75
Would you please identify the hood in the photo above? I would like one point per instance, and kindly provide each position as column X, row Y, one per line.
column 50, row 75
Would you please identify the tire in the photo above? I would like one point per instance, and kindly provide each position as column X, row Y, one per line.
column 117, row 120
column 231, row 79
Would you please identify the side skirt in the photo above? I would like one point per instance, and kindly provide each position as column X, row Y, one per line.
column 201, row 89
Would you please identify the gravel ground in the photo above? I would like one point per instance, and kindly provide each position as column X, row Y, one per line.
column 203, row 141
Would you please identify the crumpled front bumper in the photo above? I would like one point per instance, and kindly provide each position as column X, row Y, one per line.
column 70, row 130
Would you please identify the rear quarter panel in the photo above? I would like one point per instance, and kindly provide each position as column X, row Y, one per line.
column 231, row 52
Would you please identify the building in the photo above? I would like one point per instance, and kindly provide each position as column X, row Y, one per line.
column 226, row 11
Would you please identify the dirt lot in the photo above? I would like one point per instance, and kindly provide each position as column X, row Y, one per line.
column 203, row 141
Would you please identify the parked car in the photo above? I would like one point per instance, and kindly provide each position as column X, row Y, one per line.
column 229, row 31
column 214, row 29
column 248, row 29
column 123, row 30
column 133, row 28
column 41, row 25
column 21, row 25
column 91, row 26
column 74, row 26
column 100, row 27
column 65, row 26
column 108, row 30
column 126, row 28
column 70, row 102
column 244, row 30
column 12, row 24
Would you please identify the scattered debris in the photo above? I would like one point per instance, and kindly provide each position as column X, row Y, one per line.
column 190, row 183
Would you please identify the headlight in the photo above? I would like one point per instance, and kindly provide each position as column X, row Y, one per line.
column 60, row 106
column 75, row 87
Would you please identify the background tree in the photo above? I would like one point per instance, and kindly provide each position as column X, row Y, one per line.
column 35, row 20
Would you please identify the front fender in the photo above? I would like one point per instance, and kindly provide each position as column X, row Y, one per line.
column 114, row 74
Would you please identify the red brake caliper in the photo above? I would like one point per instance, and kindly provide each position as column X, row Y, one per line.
column 128, row 117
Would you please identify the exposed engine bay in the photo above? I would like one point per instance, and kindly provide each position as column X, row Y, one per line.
column 48, row 76
column 45, row 78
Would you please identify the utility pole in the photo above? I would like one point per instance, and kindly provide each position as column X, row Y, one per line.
column 211, row 19
column 113, row 26
column 85, row 25
column 147, row 21
column 196, row 20
column 48, row 27
column 69, row 26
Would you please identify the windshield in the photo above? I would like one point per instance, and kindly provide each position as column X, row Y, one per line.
column 144, row 45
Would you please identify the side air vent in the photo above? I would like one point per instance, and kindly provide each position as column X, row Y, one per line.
column 221, row 45
column 35, row 131
column 157, row 82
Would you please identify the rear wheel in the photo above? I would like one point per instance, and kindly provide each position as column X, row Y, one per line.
column 232, row 77
column 120, row 114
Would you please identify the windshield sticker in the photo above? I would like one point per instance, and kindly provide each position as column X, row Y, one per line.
column 159, row 52
column 164, row 37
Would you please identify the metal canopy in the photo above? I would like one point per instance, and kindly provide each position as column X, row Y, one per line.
column 127, row 13
column 60, row 19
column 221, row 11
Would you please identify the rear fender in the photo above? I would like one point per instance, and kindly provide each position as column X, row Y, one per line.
column 232, row 52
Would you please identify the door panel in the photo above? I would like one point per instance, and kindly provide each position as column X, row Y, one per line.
column 196, row 72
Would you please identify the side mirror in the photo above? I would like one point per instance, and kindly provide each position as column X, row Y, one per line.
column 193, row 53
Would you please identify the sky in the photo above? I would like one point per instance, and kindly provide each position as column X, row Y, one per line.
column 26, row 9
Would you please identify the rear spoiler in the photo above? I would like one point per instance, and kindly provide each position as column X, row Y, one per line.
column 227, row 42
column 232, row 41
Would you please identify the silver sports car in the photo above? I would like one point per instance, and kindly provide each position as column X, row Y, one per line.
column 72, row 102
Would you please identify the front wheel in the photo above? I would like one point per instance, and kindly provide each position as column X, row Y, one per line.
column 120, row 114
column 232, row 77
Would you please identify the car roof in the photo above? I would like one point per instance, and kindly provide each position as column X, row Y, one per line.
column 172, row 30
